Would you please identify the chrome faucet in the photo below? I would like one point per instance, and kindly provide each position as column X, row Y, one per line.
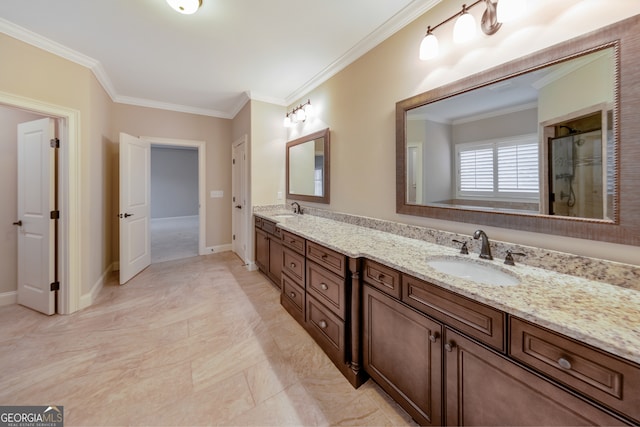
column 296, row 208
column 485, row 251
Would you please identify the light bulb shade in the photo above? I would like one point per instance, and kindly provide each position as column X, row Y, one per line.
column 429, row 47
column 186, row 7
column 465, row 28
column 308, row 110
column 301, row 115
column 287, row 121
column 508, row 10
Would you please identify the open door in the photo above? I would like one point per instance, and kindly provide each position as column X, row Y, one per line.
column 36, row 215
column 135, row 195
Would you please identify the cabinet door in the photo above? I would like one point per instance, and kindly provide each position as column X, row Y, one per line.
column 262, row 250
column 403, row 353
column 484, row 388
column 275, row 260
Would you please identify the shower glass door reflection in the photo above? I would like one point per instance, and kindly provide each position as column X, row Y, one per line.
column 576, row 175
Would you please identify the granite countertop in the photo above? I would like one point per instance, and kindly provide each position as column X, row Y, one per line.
column 597, row 313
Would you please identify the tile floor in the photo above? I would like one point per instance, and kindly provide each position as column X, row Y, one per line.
column 198, row 341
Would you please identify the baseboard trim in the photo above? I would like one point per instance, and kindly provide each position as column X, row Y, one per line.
column 89, row 298
column 9, row 298
column 215, row 249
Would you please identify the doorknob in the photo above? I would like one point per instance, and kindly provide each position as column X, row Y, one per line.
column 126, row 215
column 238, row 206
column 18, row 223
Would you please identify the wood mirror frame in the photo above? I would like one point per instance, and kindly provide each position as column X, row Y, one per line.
column 624, row 36
column 325, row 175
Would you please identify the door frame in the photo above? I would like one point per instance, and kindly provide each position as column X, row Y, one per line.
column 69, row 196
column 202, row 181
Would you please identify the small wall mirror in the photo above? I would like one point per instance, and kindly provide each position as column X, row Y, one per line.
column 546, row 143
column 307, row 164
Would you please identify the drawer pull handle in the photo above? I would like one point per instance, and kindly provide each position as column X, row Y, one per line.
column 434, row 337
column 449, row 346
column 322, row 324
column 292, row 265
column 324, row 286
column 325, row 256
column 564, row 363
column 380, row 277
column 292, row 294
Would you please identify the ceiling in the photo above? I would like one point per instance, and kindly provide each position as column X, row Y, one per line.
column 145, row 53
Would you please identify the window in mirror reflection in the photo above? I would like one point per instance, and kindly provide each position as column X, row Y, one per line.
column 533, row 143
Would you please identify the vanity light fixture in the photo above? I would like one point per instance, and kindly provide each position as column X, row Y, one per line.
column 299, row 114
column 186, row 7
column 465, row 26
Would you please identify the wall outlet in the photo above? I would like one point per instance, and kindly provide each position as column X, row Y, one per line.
column 279, row 195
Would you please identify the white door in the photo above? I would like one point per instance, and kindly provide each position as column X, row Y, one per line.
column 135, row 195
column 36, row 201
column 238, row 198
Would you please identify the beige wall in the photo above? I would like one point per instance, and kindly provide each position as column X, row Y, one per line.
column 35, row 74
column 143, row 121
column 9, row 119
column 358, row 104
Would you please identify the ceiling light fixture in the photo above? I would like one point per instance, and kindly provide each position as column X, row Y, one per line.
column 465, row 26
column 299, row 114
column 186, row 7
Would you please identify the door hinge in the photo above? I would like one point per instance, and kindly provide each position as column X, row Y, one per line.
column 234, row 237
column 55, row 286
column 55, row 214
column 54, row 143
column 233, row 161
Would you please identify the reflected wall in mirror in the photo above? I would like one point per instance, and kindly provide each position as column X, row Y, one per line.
column 514, row 145
column 545, row 143
column 307, row 168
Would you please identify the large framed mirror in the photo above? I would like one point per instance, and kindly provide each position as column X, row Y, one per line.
column 546, row 143
column 307, row 168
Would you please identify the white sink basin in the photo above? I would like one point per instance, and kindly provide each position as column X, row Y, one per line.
column 474, row 271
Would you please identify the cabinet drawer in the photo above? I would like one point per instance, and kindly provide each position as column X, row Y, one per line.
column 268, row 226
column 293, row 265
column 326, row 328
column 601, row 376
column 258, row 221
column 474, row 319
column 327, row 287
column 293, row 241
column 381, row 277
column 293, row 299
column 329, row 259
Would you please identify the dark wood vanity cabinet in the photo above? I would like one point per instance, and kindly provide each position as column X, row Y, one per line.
column 483, row 387
column 447, row 360
column 402, row 352
column 268, row 249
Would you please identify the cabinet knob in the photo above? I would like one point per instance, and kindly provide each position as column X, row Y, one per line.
column 434, row 337
column 292, row 294
column 380, row 277
column 292, row 265
column 322, row 324
column 449, row 346
column 324, row 286
column 324, row 256
column 564, row 363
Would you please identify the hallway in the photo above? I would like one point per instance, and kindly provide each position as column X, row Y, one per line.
column 198, row 341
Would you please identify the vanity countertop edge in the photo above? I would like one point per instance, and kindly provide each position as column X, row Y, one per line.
column 597, row 313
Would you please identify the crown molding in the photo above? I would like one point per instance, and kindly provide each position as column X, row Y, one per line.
column 400, row 20
column 143, row 102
